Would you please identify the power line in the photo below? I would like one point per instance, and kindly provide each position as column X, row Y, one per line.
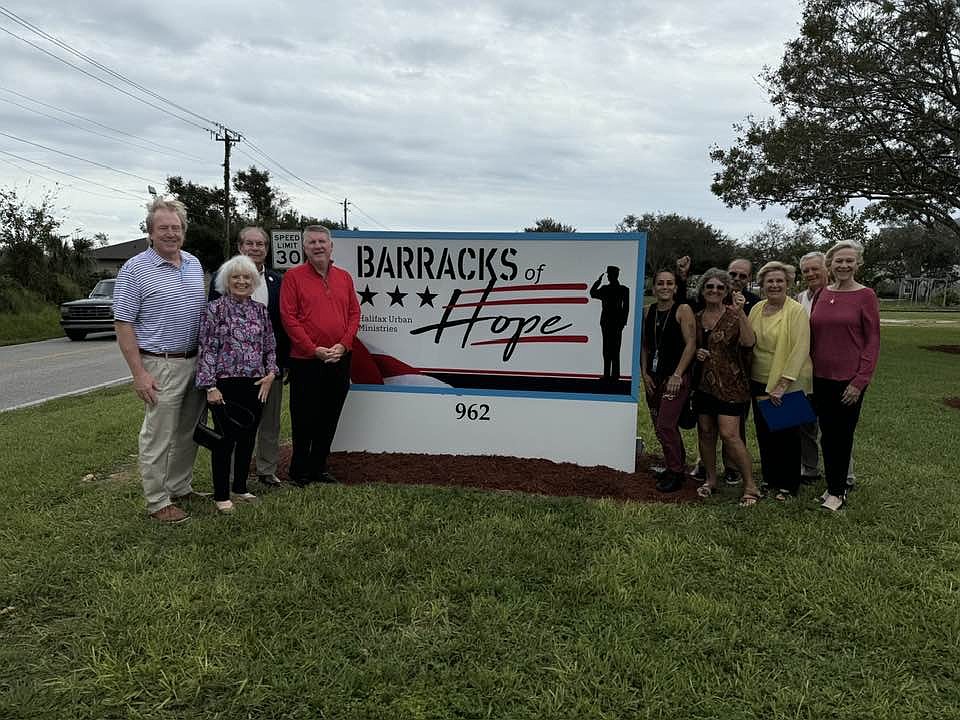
column 100, row 124
column 368, row 216
column 77, row 157
column 107, row 83
column 57, row 182
column 119, row 76
column 292, row 174
column 94, row 132
column 75, row 177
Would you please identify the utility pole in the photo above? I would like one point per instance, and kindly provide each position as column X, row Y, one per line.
column 229, row 138
column 345, row 203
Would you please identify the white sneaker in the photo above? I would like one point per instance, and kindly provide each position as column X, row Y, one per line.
column 224, row 506
column 832, row 502
column 244, row 497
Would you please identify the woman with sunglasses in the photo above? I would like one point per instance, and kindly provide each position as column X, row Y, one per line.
column 669, row 343
column 723, row 392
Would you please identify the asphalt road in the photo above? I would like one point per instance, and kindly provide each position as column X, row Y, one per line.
column 36, row 372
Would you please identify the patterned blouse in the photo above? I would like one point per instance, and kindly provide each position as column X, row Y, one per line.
column 236, row 340
column 725, row 374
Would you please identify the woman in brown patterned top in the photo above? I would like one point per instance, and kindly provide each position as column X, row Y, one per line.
column 723, row 393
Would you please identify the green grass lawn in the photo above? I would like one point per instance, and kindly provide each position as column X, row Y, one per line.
column 39, row 324
column 399, row 602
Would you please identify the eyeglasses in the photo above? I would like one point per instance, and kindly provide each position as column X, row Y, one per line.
column 714, row 287
column 742, row 276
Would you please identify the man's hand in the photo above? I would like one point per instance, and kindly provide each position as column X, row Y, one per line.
column 683, row 266
column 739, row 300
column 336, row 352
column 146, row 387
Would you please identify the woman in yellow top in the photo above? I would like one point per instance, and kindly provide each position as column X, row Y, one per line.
column 781, row 364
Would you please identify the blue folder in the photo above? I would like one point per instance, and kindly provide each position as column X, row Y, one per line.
column 794, row 410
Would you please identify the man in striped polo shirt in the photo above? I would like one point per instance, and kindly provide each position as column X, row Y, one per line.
column 157, row 305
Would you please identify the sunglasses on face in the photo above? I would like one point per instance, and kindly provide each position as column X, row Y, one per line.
column 714, row 287
column 739, row 275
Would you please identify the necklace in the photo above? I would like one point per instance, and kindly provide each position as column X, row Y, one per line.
column 658, row 329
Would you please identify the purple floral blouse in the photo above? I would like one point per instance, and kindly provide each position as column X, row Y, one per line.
column 236, row 340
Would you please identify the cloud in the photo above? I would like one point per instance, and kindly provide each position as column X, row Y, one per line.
column 434, row 115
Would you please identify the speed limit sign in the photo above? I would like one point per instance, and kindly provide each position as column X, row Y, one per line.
column 287, row 251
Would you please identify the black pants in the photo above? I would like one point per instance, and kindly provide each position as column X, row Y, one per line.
column 779, row 451
column 317, row 393
column 237, row 449
column 838, row 422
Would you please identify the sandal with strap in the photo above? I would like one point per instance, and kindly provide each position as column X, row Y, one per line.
column 749, row 500
column 705, row 490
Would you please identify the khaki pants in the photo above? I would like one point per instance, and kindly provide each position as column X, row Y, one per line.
column 167, row 450
column 268, row 435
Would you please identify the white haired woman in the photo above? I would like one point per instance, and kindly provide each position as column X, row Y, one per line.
column 781, row 364
column 845, row 345
column 237, row 364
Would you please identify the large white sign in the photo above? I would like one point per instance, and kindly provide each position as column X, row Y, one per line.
column 523, row 344
column 286, row 248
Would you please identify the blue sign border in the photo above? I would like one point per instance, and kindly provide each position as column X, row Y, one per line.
column 638, row 297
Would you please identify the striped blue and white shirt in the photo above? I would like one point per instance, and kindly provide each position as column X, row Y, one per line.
column 163, row 302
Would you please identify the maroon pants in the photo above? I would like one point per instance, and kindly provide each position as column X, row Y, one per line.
column 665, row 413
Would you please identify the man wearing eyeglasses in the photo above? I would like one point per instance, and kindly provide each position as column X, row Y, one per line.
column 740, row 270
column 253, row 242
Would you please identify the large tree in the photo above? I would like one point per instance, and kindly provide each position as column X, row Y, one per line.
column 910, row 249
column 265, row 202
column 548, row 224
column 36, row 255
column 670, row 236
column 868, row 99
column 774, row 241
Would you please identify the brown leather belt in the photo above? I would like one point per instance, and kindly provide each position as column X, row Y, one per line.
column 169, row 355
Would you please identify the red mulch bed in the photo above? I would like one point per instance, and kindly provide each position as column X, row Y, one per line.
column 953, row 402
column 488, row 472
column 952, row 349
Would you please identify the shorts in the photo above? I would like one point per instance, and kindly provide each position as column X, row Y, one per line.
column 706, row 404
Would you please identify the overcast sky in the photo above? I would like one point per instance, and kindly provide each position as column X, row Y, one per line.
column 428, row 114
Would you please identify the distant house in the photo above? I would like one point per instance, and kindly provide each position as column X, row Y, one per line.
column 109, row 259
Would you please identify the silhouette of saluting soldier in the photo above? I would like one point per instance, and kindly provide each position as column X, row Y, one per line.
column 613, row 318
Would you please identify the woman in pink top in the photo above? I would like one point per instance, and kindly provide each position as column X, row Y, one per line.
column 844, row 346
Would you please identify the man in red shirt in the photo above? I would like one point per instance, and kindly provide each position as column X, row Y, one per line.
column 320, row 312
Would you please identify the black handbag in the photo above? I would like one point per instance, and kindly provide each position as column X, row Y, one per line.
column 232, row 418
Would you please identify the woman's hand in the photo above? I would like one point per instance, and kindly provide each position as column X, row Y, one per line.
column 648, row 383
column 214, row 397
column 850, row 395
column 738, row 300
column 265, row 382
column 703, row 354
column 776, row 395
column 673, row 386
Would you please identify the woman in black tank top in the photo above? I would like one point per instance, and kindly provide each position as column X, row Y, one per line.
column 669, row 344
